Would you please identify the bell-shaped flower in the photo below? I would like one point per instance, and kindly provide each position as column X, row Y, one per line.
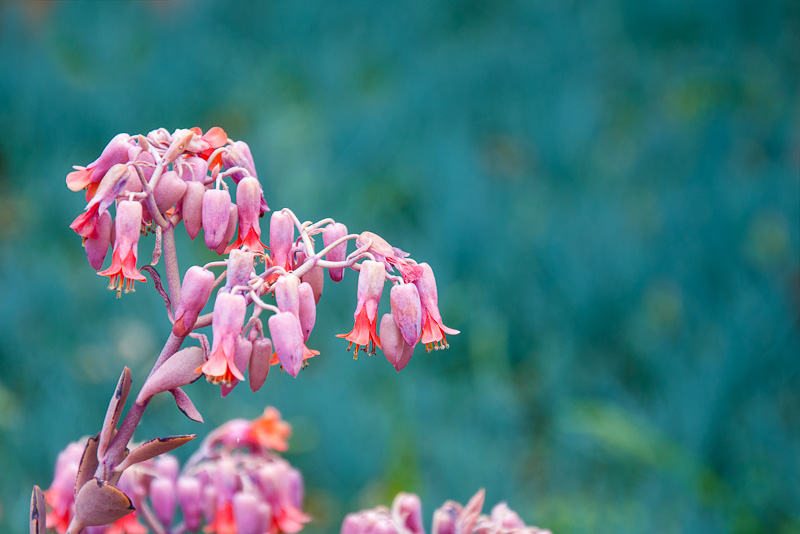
column 389, row 255
column 248, row 201
column 238, row 155
column 226, row 325
column 216, row 210
column 197, row 286
column 241, row 359
column 433, row 329
column 169, row 190
column 287, row 296
column 331, row 233
column 113, row 183
column 315, row 277
column 189, row 496
column 233, row 217
column 370, row 286
column 270, row 431
column 281, row 239
column 307, row 309
column 192, row 208
column 407, row 511
column 122, row 273
column 278, row 483
column 163, row 496
column 115, row 152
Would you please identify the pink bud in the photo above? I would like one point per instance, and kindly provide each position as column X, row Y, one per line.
column 248, row 201
column 162, row 497
column 407, row 311
column 97, row 248
column 506, row 518
column 240, row 269
column 189, row 496
column 308, row 309
column 197, row 286
column 407, row 511
column 260, row 362
column 192, row 208
column 226, row 326
column 286, row 294
column 371, row 279
column 287, row 336
column 281, row 238
column 115, row 152
column 238, row 155
column 216, row 210
column 397, row 351
column 128, row 226
column 246, row 514
column 331, row 233
column 193, row 169
column 353, row 524
column 444, row 519
column 230, row 230
column 315, row 277
column 167, row 466
column 209, row 503
column 169, row 189
column 384, row 526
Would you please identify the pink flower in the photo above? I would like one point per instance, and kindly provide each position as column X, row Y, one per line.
column 248, row 201
column 227, row 322
column 115, row 152
column 122, row 273
column 433, row 329
column 389, row 255
column 197, row 286
column 370, row 286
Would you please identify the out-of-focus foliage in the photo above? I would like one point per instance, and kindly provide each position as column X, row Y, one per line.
column 609, row 193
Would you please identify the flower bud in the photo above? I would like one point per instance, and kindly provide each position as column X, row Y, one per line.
column 230, row 230
column 286, row 294
column 246, row 514
column 315, row 277
column 407, row 511
column 189, row 496
column 192, row 208
column 259, row 363
column 287, row 336
column 239, row 270
column 331, row 233
column 308, row 309
column 238, row 155
column 193, row 169
column 97, row 247
column 167, row 466
column 216, row 210
column 281, row 238
column 397, row 351
column 197, row 286
column 407, row 311
column 162, row 497
column 169, row 189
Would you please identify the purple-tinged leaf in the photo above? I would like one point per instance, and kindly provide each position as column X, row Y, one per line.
column 114, row 411
column 177, row 371
column 88, row 464
column 153, row 448
column 186, row 405
column 38, row 511
column 99, row 503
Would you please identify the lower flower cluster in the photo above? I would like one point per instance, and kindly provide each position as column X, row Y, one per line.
column 405, row 517
column 234, row 484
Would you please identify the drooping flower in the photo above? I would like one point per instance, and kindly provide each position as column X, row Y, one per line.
column 433, row 329
column 226, row 325
column 248, row 202
column 370, row 286
column 331, row 233
column 281, row 239
column 270, row 431
column 197, row 286
column 115, row 152
column 390, row 256
column 112, row 184
column 123, row 272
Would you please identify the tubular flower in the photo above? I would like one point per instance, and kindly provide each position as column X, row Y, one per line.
column 433, row 329
column 370, row 286
column 112, row 184
column 281, row 238
column 390, row 256
column 123, row 272
column 227, row 322
column 248, row 201
column 115, row 152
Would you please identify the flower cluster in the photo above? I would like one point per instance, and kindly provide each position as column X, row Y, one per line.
column 405, row 517
column 234, row 484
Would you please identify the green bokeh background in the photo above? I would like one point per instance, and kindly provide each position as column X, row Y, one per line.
column 608, row 192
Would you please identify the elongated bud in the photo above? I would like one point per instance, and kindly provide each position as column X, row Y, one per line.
column 162, row 496
column 287, row 336
column 113, row 183
column 397, row 351
column 193, row 169
column 287, row 296
column 238, row 155
column 115, row 152
column 97, row 248
column 245, row 514
column 209, row 503
column 197, row 286
column 190, row 498
column 169, row 189
column 407, row 311
column 240, row 268
column 192, row 208
column 216, row 211
column 331, row 233
column 407, row 511
column 308, row 309
column 259, row 363
column 281, row 238
column 230, row 230
column 315, row 277
column 168, row 467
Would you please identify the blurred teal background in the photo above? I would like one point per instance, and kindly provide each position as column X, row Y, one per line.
column 608, row 192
